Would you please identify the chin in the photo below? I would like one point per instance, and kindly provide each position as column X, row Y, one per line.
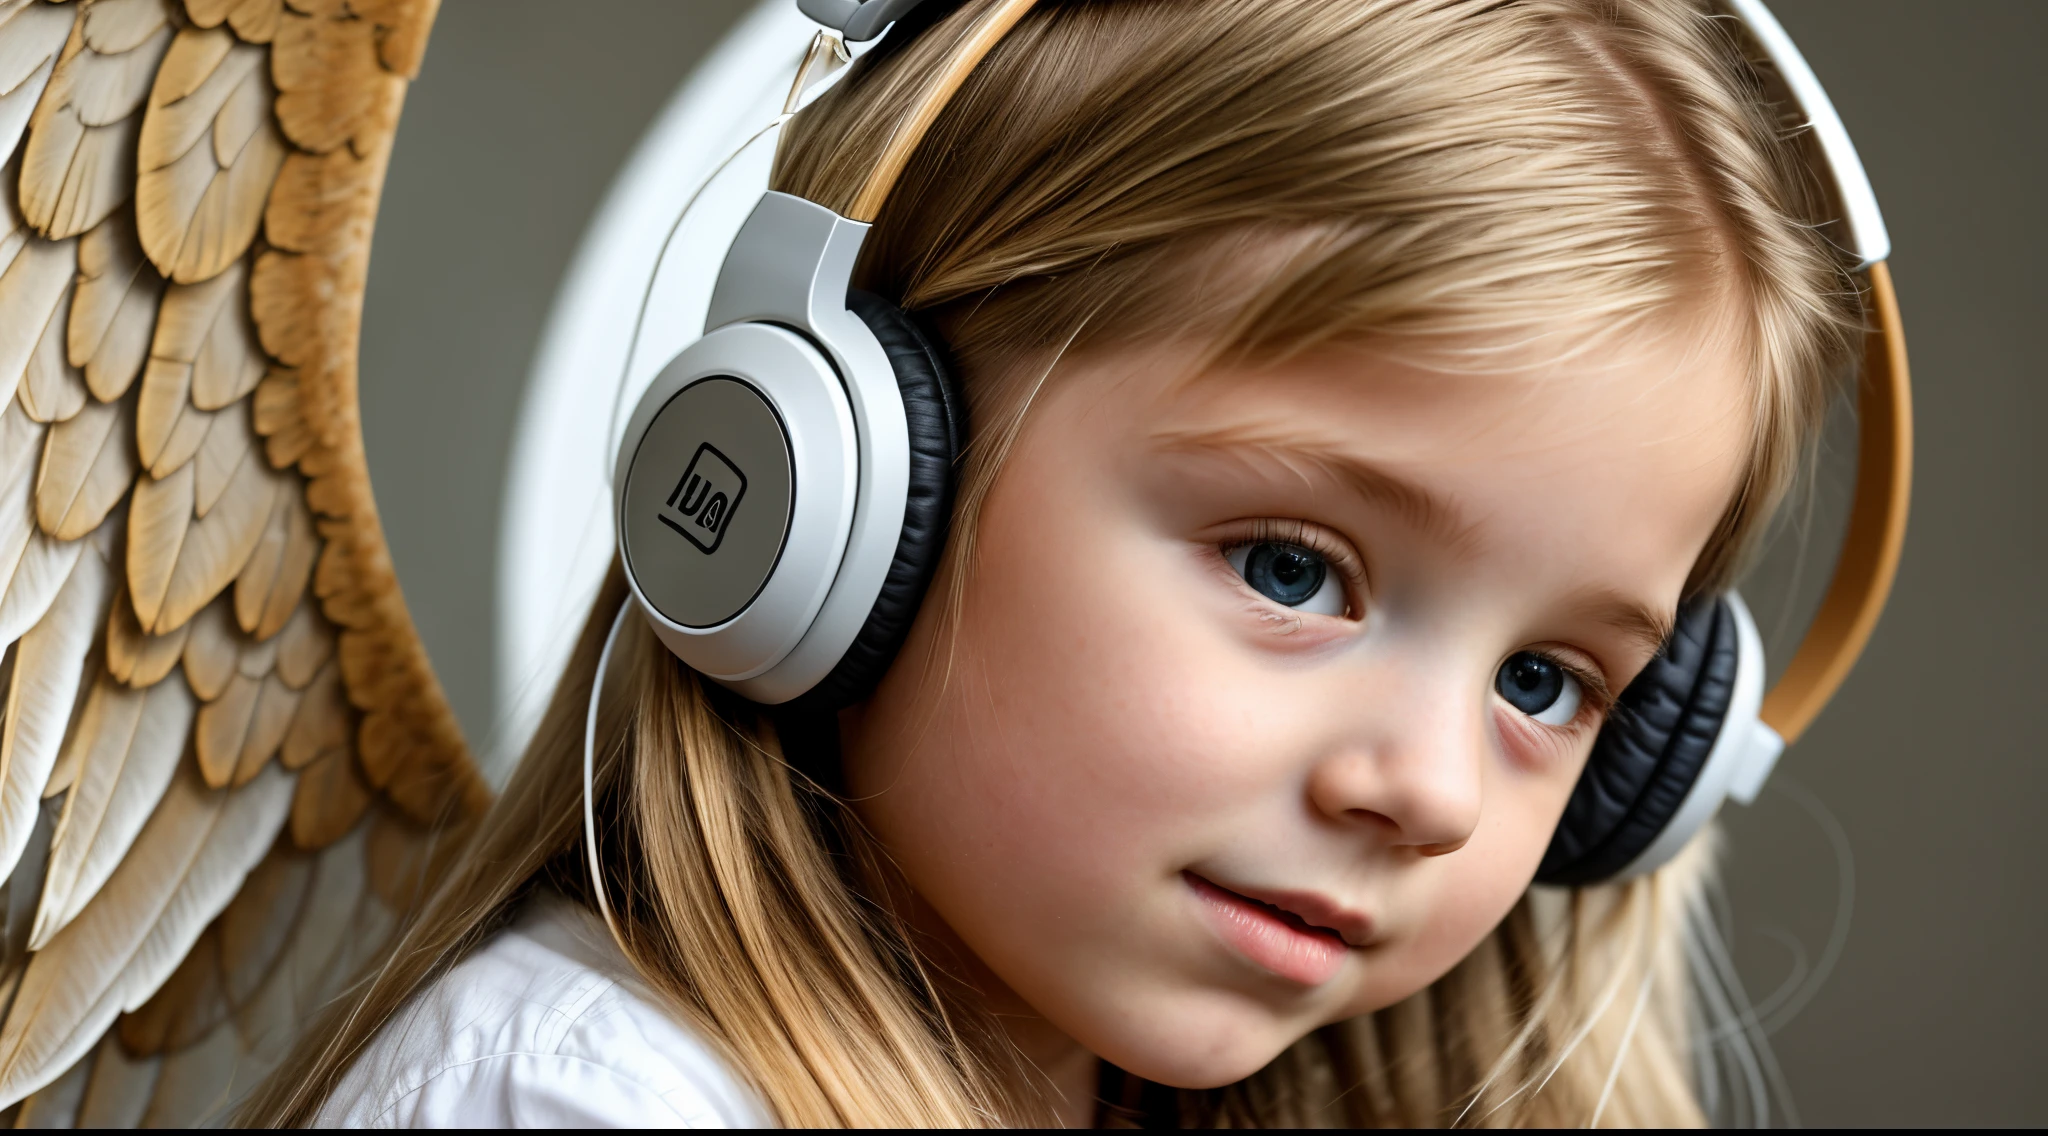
column 1218, row 1041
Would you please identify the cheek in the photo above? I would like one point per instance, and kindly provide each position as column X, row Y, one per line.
column 1039, row 775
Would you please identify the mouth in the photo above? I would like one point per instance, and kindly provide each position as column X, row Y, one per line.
column 1282, row 939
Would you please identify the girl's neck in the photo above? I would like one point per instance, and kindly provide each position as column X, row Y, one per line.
column 1049, row 1066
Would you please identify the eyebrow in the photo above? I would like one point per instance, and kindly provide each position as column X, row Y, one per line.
column 1432, row 512
column 1648, row 627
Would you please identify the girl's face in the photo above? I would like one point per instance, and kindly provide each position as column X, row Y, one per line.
column 1269, row 687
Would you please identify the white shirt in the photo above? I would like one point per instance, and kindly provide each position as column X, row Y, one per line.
column 545, row 1025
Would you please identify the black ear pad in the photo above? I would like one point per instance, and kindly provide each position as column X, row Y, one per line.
column 936, row 413
column 1653, row 747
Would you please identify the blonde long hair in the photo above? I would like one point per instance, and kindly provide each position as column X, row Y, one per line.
column 1268, row 178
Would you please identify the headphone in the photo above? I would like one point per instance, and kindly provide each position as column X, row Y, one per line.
column 783, row 490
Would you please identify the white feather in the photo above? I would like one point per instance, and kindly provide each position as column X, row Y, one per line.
column 29, row 43
column 188, row 863
column 21, row 443
column 41, row 697
column 247, row 827
column 44, row 566
column 135, row 747
column 18, row 104
column 55, row 1105
column 29, row 292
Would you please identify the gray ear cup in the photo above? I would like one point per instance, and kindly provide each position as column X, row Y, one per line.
column 1653, row 749
column 936, row 415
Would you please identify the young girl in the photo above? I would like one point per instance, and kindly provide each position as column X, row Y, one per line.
column 1356, row 390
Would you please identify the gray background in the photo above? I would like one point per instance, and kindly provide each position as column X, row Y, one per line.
column 1926, row 771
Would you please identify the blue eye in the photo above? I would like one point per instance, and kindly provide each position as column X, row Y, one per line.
column 1538, row 687
column 1291, row 576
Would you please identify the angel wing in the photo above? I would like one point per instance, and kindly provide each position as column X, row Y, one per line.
column 223, row 752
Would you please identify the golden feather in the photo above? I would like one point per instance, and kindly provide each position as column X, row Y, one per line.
column 208, row 154
column 79, row 162
column 113, row 313
column 253, row 20
column 137, row 657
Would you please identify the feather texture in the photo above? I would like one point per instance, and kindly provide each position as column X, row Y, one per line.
column 338, row 928
column 113, row 312
column 197, row 1083
column 53, row 390
column 274, row 580
column 136, row 657
column 212, row 651
column 322, row 723
column 249, row 707
column 41, row 697
column 243, row 728
column 24, row 889
column 87, row 466
column 31, row 38
column 253, row 20
column 44, row 566
column 208, row 154
column 204, row 358
column 333, row 927
column 119, row 1089
column 185, row 1009
column 56, row 1104
column 20, row 436
column 257, row 927
column 190, row 858
column 79, row 163
column 128, row 742
column 178, row 561
column 31, row 291
column 331, row 799
column 206, row 328
column 307, row 643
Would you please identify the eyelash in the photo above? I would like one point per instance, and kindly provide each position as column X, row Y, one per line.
column 1316, row 539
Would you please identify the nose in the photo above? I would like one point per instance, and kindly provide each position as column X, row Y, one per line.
column 1418, row 783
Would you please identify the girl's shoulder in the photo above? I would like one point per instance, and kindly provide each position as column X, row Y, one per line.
column 545, row 1025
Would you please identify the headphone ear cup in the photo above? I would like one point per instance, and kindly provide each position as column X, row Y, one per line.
column 1652, row 749
column 935, row 412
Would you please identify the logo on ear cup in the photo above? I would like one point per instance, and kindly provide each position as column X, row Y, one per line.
column 707, row 502
column 706, row 497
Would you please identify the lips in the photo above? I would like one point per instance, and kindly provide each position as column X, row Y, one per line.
column 1298, row 936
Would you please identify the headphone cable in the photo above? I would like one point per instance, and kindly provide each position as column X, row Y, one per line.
column 604, row 659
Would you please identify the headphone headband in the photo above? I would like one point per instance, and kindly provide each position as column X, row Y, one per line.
column 1877, row 525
